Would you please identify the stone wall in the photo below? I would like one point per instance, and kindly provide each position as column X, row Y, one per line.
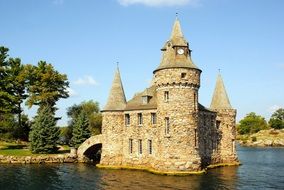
column 112, row 128
column 227, row 118
column 40, row 159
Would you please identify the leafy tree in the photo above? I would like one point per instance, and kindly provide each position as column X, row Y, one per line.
column 92, row 110
column 7, row 121
column 46, row 85
column 65, row 135
column 44, row 134
column 277, row 119
column 251, row 123
column 80, row 130
column 22, row 131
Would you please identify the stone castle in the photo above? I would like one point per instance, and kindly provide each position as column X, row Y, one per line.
column 165, row 129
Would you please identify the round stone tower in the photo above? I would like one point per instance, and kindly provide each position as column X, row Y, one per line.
column 178, row 80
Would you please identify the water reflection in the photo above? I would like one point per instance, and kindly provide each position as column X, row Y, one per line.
column 261, row 169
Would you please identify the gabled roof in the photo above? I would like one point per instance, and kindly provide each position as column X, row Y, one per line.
column 136, row 102
column 220, row 99
column 116, row 100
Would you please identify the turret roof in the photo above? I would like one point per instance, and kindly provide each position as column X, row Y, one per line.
column 220, row 99
column 116, row 100
column 169, row 57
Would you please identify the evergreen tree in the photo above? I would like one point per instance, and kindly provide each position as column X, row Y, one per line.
column 44, row 134
column 81, row 130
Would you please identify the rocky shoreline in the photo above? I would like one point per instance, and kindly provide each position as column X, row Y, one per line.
column 39, row 159
column 264, row 138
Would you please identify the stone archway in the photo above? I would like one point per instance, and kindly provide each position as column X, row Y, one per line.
column 90, row 149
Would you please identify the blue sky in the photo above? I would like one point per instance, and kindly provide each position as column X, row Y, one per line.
column 85, row 38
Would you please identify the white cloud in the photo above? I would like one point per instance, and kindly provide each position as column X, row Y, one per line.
column 57, row 2
column 273, row 108
column 86, row 80
column 156, row 3
column 72, row 93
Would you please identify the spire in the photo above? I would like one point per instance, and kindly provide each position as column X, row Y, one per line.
column 176, row 31
column 170, row 57
column 220, row 98
column 116, row 99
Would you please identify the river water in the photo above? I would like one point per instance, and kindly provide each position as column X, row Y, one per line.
column 262, row 168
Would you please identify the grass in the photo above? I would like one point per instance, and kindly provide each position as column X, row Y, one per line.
column 21, row 149
column 16, row 152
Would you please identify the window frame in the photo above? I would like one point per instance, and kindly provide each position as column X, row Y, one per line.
column 139, row 119
column 127, row 119
column 153, row 118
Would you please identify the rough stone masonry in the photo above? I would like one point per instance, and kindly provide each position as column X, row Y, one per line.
column 165, row 129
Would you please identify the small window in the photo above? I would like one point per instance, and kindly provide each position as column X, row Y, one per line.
column 127, row 119
column 150, row 149
column 166, row 96
column 145, row 99
column 167, row 125
column 183, row 75
column 218, row 124
column 140, row 119
column 140, row 146
column 130, row 146
column 195, row 137
column 153, row 118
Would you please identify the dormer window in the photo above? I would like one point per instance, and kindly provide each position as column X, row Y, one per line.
column 145, row 99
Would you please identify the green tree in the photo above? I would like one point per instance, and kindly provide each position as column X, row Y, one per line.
column 44, row 133
column 251, row 123
column 22, row 131
column 65, row 135
column 17, row 77
column 80, row 130
column 277, row 119
column 46, row 85
column 5, row 86
column 92, row 110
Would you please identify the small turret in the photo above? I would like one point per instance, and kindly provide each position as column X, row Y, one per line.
column 116, row 100
column 220, row 99
column 225, row 122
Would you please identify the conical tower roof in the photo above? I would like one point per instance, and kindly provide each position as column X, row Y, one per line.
column 170, row 59
column 177, row 37
column 116, row 100
column 220, row 99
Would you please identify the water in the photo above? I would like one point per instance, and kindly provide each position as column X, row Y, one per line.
column 263, row 168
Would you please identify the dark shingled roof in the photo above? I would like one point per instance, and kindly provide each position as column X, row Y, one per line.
column 136, row 102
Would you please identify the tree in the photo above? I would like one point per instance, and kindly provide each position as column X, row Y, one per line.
column 46, row 86
column 277, row 119
column 44, row 134
column 92, row 110
column 65, row 135
column 5, row 86
column 22, row 131
column 17, row 78
column 80, row 130
column 251, row 123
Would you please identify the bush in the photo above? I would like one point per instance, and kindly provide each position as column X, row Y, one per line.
column 253, row 139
